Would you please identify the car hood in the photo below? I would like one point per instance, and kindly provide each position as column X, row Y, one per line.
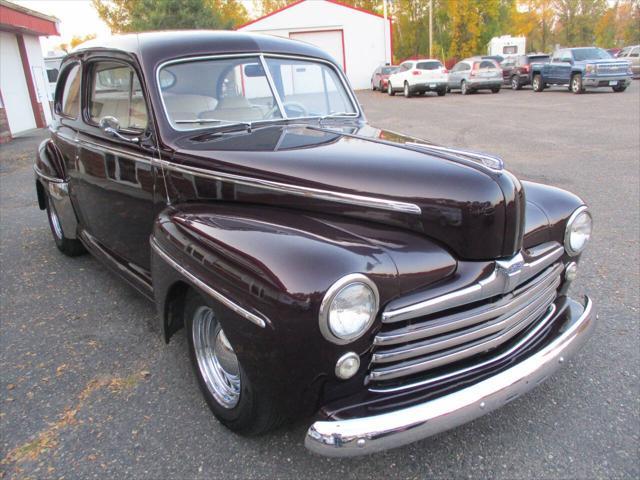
column 474, row 211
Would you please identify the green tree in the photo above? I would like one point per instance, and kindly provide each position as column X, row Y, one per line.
column 143, row 15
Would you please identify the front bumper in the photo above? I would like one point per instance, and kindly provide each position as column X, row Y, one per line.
column 605, row 81
column 359, row 436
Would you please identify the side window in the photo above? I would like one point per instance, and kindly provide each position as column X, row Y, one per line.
column 465, row 66
column 116, row 92
column 635, row 52
column 68, row 94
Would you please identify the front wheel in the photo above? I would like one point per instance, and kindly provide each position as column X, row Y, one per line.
column 390, row 89
column 537, row 83
column 226, row 387
column 515, row 83
column 69, row 246
column 619, row 88
column 381, row 87
column 407, row 90
column 464, row 89
column 576, row 84
column 442, row 92
column 495, row 90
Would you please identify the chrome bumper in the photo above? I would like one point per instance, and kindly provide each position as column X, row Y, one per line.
column 360, row 436
column 596, row 81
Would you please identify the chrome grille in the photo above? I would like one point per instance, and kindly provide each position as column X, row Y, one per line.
column 450, row 333
column 612, row 68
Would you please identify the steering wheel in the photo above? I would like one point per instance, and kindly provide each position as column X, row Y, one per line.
column 296, row 108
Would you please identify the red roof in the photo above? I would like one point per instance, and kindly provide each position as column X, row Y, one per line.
column 300, row 1
column 23, row 20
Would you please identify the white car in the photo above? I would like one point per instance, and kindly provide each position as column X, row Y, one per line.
column 419, row 76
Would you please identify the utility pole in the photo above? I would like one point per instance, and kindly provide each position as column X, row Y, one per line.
column 384, row 30
column 430, row 28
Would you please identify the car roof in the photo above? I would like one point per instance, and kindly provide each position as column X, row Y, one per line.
column 166, row 45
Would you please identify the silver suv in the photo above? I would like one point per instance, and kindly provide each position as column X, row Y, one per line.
column 472, row 74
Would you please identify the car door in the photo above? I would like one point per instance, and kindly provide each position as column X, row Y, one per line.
column 114, row 181
column 454, row 74
column 560, row 67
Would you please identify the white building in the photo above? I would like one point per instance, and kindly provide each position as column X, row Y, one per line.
column 506, row 45
column 24, row 87
column 357, row 39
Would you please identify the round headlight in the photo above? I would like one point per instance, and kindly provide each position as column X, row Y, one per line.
column 348, row 308
column 578, row 231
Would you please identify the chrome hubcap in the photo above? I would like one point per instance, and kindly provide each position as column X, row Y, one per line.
column 217, row 361
column 55, row 222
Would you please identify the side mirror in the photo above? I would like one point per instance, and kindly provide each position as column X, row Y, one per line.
column 111, row 126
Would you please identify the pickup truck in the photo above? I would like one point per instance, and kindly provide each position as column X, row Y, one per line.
column 582, row 68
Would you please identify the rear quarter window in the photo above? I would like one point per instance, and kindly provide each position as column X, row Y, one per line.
column 488, row 64
column 68, row 92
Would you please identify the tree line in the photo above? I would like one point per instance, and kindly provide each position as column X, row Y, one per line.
column 460, row 27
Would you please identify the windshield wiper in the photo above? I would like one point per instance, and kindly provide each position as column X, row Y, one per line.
column 247, row 125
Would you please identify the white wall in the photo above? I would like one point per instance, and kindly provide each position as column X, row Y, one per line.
column 39, row 74
column 367, row 38
column 14, row 87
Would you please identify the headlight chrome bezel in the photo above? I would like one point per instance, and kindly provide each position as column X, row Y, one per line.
column 332, row 293
column 568, row 229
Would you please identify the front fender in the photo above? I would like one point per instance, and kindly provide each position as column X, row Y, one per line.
column 276, row 264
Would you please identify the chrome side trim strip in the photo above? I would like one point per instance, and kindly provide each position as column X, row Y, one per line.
column 338, row 197
column 116, row 151
column 328, row 195
column 499, row 282
column 208, row 289
column 362, row 436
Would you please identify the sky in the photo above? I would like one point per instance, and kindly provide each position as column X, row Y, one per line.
column 77, row 17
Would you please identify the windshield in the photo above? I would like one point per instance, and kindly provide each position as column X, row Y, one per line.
column 211, row 92
column 389, row 70
column 581, row 54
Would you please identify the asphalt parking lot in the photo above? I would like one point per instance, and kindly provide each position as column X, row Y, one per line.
column 88, row 390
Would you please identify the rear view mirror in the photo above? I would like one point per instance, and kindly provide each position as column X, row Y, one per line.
column 254, row 70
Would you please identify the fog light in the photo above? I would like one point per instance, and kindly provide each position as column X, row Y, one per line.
column 347, row 365
column 571, row 272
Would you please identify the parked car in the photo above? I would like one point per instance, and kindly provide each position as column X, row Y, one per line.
column 582, row 68
column 380, row 77
column 632, row 54
column 473, row 74
column 419, row 76
column 393, row 287
column 516, row 71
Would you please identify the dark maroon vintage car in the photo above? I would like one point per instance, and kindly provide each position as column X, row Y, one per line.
column 390, row 287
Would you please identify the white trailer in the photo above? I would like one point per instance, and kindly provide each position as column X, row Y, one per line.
column 506, row 46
